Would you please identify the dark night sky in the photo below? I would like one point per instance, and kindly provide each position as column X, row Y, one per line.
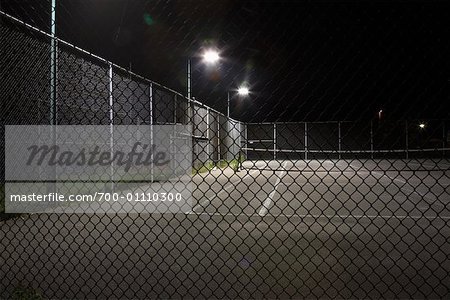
column 321, row 60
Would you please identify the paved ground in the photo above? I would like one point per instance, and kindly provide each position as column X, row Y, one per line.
column 336, row 229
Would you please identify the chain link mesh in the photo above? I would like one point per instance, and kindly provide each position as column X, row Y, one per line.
column 283, row 207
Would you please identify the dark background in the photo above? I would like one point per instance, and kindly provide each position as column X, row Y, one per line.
column 304, row 61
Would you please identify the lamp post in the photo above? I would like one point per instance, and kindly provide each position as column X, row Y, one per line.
column 210, row 57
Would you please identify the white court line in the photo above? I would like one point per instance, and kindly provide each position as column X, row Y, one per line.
column 326, row 216
column 208, row 200
column 268, row 201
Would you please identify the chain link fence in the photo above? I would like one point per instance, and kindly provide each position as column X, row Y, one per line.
column 383, row 139
column 280, row 209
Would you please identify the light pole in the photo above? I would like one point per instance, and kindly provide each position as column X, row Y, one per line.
column 242, row 91
column 210, row 57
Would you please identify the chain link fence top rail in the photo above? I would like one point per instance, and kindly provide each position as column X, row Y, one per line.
column 281, row 207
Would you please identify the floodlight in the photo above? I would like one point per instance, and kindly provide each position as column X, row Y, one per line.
column 243, row 91
column 211, row 57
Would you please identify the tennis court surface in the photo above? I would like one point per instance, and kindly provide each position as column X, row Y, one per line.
column 334, row 189
column 281, row 229
column 339, row 228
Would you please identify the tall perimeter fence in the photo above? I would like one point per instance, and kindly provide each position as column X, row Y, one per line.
column 67, row 85
column 55, row 82
column 379, row 139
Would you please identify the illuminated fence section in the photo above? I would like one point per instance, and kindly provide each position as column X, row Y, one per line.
column 131, row 100
column 355, row 136
column 93, row 91
column 82, row 90
column 27, row 84
column 381, row 139
column 216, row 137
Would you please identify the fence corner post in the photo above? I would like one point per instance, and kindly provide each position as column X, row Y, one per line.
column 339, row 139
column 306, row 140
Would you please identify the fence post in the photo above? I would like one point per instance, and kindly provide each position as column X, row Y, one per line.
column 53, row 93
column 218, row 137
column 175, row 110
column 406, row 139
column 340, row 138
column 208, row 148
column 189, row 79
column 239, row 146
column 53, row 64
column 306, row 140
column 274, row 141
column 151, row 127
column 371, row 139
column 444, row 142
column 246, row 141
column 111, row 120
column 226, row 140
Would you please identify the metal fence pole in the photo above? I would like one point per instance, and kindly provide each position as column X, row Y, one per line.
column 151, row 128
column 175, row 110
column 228, row 104
column 274, row 141
column 246, row 141
column 53, row 93
column 306, row 140
column 242, row 141
column 339, row 138
column 53, row 64
column 218, row 137
column 443, row 138
column 208, row 148
column 371, row 139
column 226, row 138
column 189, row 79
column 111, row 120
column 406, row 139
column 239, row 146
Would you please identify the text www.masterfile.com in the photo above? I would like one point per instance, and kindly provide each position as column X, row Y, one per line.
column 98, row 197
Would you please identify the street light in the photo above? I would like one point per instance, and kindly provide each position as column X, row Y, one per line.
column 242, row 91
column 210, row 57
column 421, row 125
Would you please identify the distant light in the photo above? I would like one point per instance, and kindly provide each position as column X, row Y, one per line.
column 211, row 56
column 422, row 125
column 243, row 91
